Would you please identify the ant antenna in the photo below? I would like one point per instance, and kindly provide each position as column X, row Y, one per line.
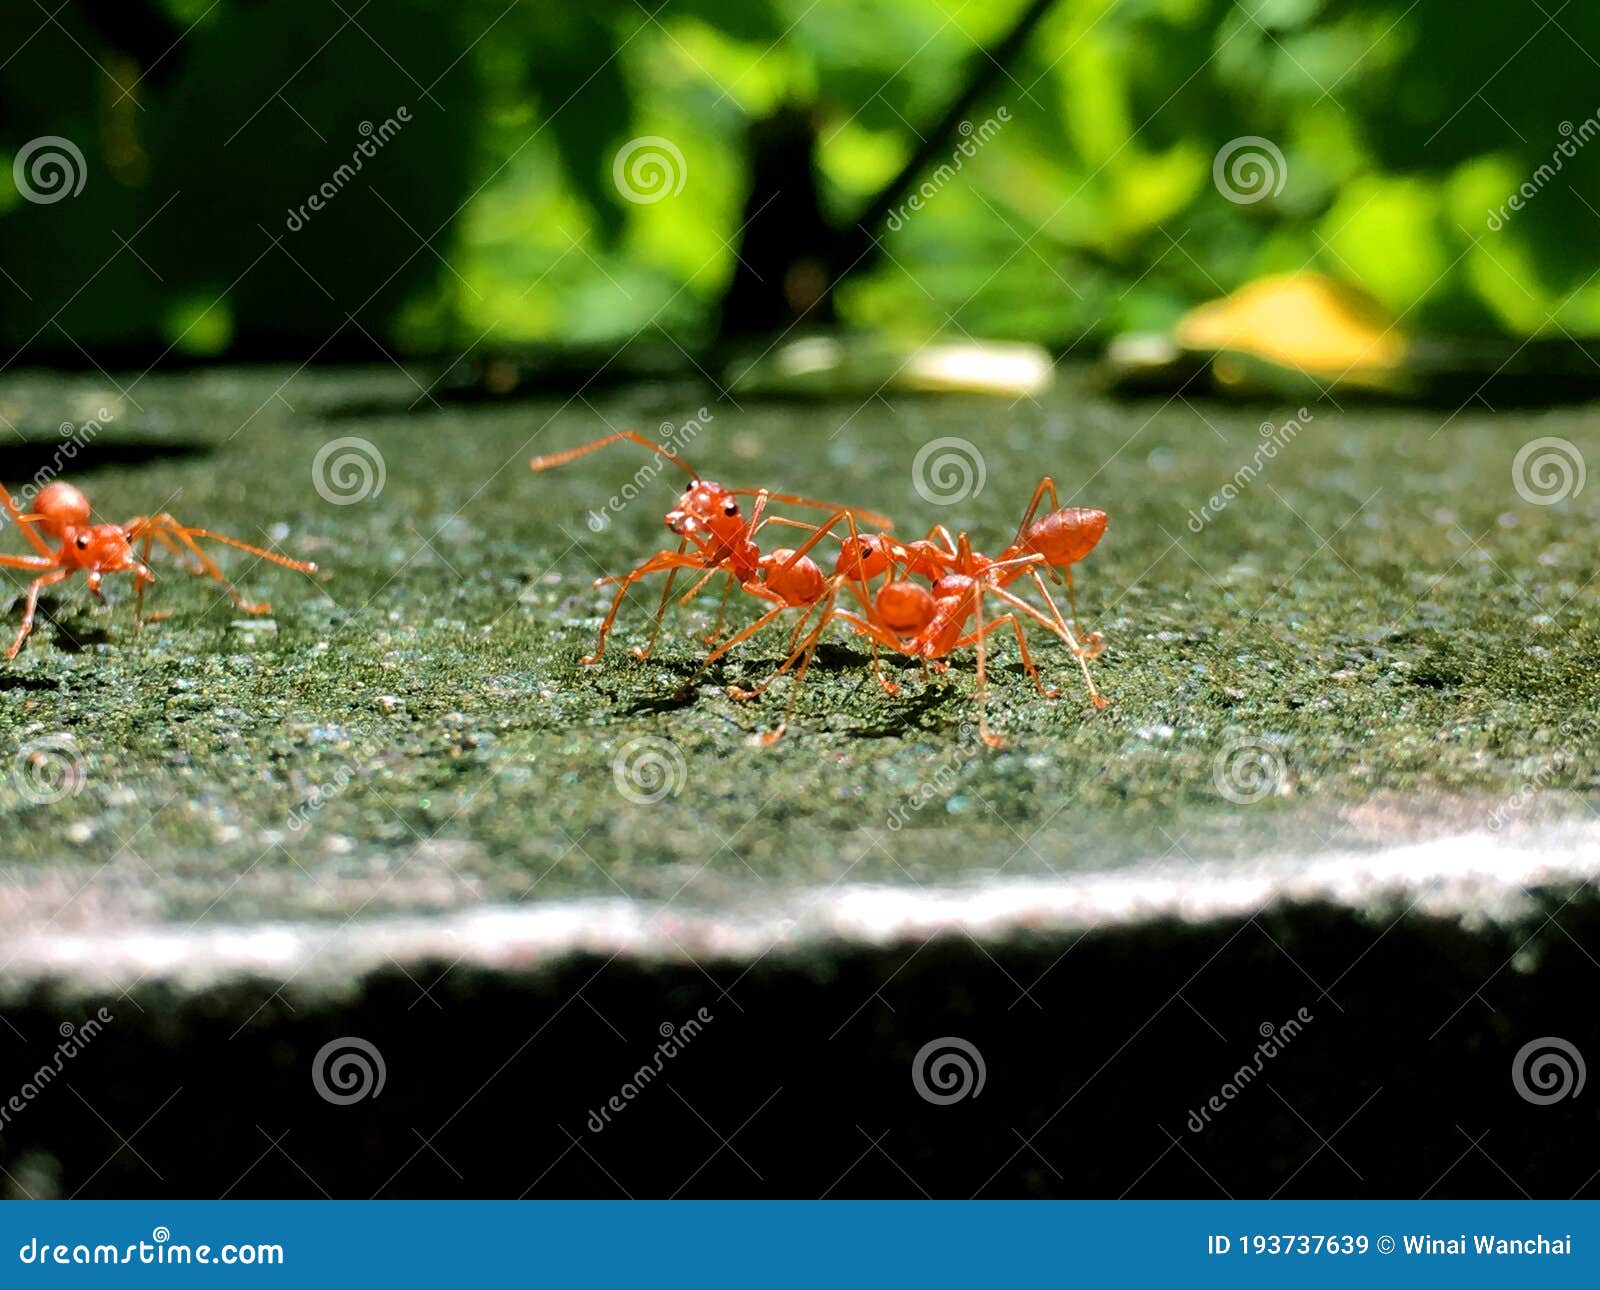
column 550, row 460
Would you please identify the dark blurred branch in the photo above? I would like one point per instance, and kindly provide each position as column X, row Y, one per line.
column 790, row 259
column 141, row 29
column 857, row 246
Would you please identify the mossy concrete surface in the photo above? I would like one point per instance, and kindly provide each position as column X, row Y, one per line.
column 1378, row 638
column 1346, row 775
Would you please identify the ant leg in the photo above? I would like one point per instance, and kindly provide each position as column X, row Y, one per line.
column 736, row 692
column 1046, row 486
column 888, row 686
column 186, row 533
column 1054, row 625
column 139, row 620
column 1080, row 653
column 772, row 736
column 722, row 609
column 1093, row 645
column 1048, row 692
column 821, row 532
column 661, row 609
column 794, row 636
column 938, row 531
column 871, row 518
column 24, row 524
column 658, row 563
column 727, row 645
column 166, row 529
column 1094, row 642
column 683, row 600
column 210, row 569
column 32, row 604
column 1011, row 620
column 992, row 740
column 879, row 636
column 643, row 652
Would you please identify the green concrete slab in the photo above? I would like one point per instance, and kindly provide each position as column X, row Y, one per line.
column 1401, row 641
column 1347, row 773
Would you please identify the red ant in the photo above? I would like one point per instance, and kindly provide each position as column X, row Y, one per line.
column 1062, row 537
column 708, row 518
column 62, row 512
column 919, row 622
column 792, row 579
column 930, row 622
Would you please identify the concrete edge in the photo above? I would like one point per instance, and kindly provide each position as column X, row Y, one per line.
column 1479, row 876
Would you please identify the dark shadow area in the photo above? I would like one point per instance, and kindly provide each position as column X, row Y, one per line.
column 59, row 624
column 1098, row 1051
column 8, row 681
column 23, row 461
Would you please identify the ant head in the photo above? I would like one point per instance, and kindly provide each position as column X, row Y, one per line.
column 866, row 557
column 61, row 507
column 904, row 607
column 706, row 507
column 103, row 548
column 925, row 559
column 954, row 586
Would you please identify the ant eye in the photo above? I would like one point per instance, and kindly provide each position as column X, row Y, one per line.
column 731, row 509
column 83, row 541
